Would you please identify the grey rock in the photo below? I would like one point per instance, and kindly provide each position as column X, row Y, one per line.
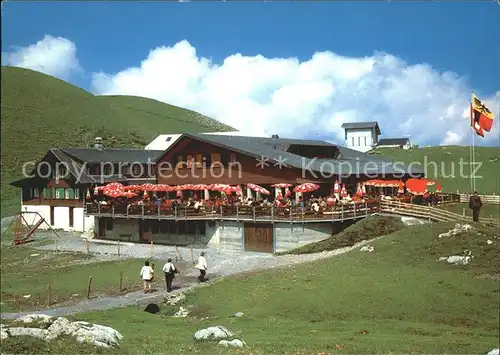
column 238, row 314
column 494, row 352
column 213, row 333
column 33, row 332
column 235, row 343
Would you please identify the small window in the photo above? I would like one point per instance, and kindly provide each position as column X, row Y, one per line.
column 366, row 142
column 36, row 192
column 199, row 160
column 69, row 194
column 352, row 143
column 77, row 194
column 168, row 139
column 215, row 157
column 359, row 141
column 136, row 170
column 179, row 162
column 60, row 194
column 232, row 158
column 189, row 161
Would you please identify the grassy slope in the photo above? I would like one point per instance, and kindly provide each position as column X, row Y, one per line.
column 40, row 112
column 489, row 157
column 397, row 299
column 365, row 229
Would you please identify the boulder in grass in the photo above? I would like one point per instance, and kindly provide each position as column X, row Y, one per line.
column 213, row 333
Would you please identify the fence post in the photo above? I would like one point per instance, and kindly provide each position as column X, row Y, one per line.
column 342, row 213
column 87, row 248
column 463, row 211
column 89, row 286
column 237, row 214
column 113, row 211
column 354, row 211
column 272, row 214
column 253, row 209
column 118, row 244
column 142, row 211
column 366, row 209
column 49, row 295
column 121, row 281
column 151, row 250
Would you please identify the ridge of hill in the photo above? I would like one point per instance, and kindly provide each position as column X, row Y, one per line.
column 451, row 166
column 40, row 112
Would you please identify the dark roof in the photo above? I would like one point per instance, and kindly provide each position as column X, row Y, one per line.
column 74, row 160
column 349, row 160
column 393, row 141
column 114, row 155
column 362, row 125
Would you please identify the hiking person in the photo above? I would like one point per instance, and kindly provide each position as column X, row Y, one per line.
column 202, row 266
column 170, row 271
column 475, row 204
column 147, row 275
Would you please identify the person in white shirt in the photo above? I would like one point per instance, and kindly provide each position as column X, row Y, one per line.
column 170, row 271
column 147, row 275
column 202, row 266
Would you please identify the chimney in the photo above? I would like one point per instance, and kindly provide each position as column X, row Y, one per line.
column 98, row 143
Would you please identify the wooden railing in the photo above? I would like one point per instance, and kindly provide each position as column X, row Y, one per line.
column 491, row 199
column 295, row 214
column 429, row 213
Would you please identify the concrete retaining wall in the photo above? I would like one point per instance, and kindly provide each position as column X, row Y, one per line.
column 228, row 234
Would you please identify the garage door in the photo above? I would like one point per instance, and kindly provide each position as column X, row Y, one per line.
column 259, row 237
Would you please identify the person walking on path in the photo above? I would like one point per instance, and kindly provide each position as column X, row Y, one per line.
column 475, row 204
column 170, row 271
column 202, row 266
column 147, row 275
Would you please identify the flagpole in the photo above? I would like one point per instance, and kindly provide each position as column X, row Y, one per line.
column 473, row 156
column 471, row 143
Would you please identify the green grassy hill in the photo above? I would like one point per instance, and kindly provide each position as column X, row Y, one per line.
column 449, row 158
column 40, row 112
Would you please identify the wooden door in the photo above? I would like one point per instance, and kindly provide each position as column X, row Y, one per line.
column 51, row 215
column 102, row 227
column 259, row 237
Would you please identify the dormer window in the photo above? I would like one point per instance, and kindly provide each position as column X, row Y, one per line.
column 168, row 139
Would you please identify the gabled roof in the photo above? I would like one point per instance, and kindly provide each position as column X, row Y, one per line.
column 348, row 159
column 362, row 125
column 75, row 160
column 393, row 141
column 112, row 155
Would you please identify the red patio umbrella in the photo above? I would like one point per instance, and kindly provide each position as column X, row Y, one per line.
column 416, row 186
column 147, row 187
column 336, row 187
column 330, row 201
column 343, row 192
column 282, row 185
column 401, row 189
column 132, row 187
column 306, row 187
column 129, row 194
column 359, row 190
column 114, row 189
column 438, row 187
column 258, row 188
column 200, row 187
column 219, row 187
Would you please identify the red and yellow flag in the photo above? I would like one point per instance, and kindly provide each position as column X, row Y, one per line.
column 481, row 118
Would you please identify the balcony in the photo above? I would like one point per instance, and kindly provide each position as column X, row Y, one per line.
column 236, row 213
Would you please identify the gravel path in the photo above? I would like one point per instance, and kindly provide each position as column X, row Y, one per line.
column 220, row 263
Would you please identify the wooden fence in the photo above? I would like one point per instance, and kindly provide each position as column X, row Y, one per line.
column 493, row 199
column 430, row 213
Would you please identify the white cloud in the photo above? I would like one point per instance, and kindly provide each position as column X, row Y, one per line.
column 54, row 56
column 262, row 95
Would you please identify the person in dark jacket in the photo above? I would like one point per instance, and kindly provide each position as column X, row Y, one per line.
column 475, row 204
column 170, row 271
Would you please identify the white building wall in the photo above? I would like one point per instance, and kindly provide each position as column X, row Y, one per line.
column 361, row 140
column 61, row 218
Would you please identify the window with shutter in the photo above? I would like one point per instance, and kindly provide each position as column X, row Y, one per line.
column 179, row 162
column 77, row 194
column 215, row 158
column 36, row 192
column 60, row 194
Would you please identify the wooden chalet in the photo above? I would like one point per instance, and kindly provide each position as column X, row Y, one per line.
column 205, row 159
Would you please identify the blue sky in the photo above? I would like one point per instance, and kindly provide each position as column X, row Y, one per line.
column 462, row 38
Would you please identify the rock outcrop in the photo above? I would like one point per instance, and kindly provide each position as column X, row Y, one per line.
column 45, row 327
